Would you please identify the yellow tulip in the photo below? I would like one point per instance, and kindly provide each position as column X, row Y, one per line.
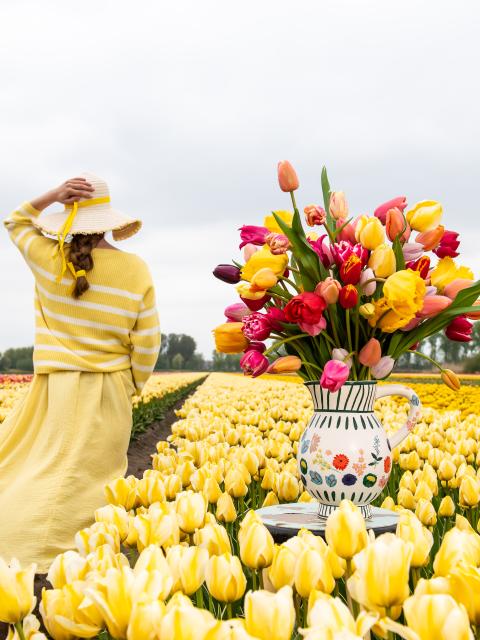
column 469, row 493
column 458, row 546
column 104, row 558
column 264, row 259
column 235, row 484
column 287, row 487
column 153, row 562
column 229, row 338
column 226, row 511
column 193, row 563
column 183, row 622
column 31, row 630
column 250, row 292
column 446, row 272
column 410, row 529
column 16, row 591
column 451, row 379
column 98, row 534
column 225, row 578
column 345, row 530
column 337, row 564
column 465, row 586
column 413, row 461
column 272, row 224
column 145, row 619
column 156, row 527
column 446, row 470
column 330, row 615
column 367, row 310
column 405, row 291
column 214, row 538
column 264, row 279
column 405, row 499
column 305, row 497
column 385, row 318
column 446, row 508
column 380, row 579
column 256, row 546
column 388, row 503
column 174, row 555
column 116, row 515
column 425, row 512
column 369, row 232
column 423, row 492
column 313, row 571
column 173, row 486
column 382, row 261
column 282, row 569
column 122, row 492
column 437, row 617
column 211, row 490
column 270, row 616
column 66, row 568
column 407, row 482
column 233, row 629
column 269, row 480
column 67, row 614
column 425, row 215
column 433, row 585
column 270, row 499
column 150, row 489
column 191, row 508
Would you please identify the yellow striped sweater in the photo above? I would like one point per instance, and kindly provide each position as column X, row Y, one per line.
column 113, row 326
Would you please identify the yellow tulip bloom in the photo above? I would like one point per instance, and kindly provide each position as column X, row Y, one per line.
column 382, row 261
column 264, row 259
column 63, row 616
column 256, row 546
column 186, row 623
column 465, row 587
column 191, row 508
column 425, row 215
column 67, row 567
column 369, row 232
column 458, row 546
column 272, row 224
column 446, row 508
column 330, row 615
column 270, row 616
column 469, row 493
column 447, row 271
column 313, row 571
column 437, row 617
column 214, row 538
column 386, row 318
column 16, row 591
column 405, row 291
column 226, row 511
column 145, row 620
column 193, row 563
column 345, row 531
column 233, row 629
column 229, row 338
column 282, row 569
column 152, row 562
column 225, row 578
column 410, row 529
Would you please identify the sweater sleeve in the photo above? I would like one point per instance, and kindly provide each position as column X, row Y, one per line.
column 32, row 244
column 145, row 339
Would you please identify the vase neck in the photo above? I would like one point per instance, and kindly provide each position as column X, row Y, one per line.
column 355, row 397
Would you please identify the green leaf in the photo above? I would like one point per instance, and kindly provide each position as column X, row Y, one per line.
column 326, row 198
column 399, row 257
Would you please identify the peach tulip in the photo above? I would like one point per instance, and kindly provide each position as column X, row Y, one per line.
column 395, row 223
column 433, row 305
column 370, row 353
column 452, row 288
column 287, row 177
column 431, row 239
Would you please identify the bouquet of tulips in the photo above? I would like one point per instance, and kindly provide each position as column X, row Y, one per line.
column 347, row 298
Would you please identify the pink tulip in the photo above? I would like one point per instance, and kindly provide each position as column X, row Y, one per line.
column 313, row 329
column 412, row 250
column 251, row 234
column 395, row 223
column 256, row 326
column 370, row 353
column 278, row 243
column 347, row 233
column 235, row 312
column 275, row 317
column 433, row 305
column 368, row 289
column 455, row 286
column 328, row 289
column 256, row 345
column 335, row 374
column 414, row 322
column 287, row 177
column 338, row 205
column 314, row 215
column 248, row 251
column 321, row 246
column 383, row 367
column 254, row 363
column 343, row 356
column 381, row 212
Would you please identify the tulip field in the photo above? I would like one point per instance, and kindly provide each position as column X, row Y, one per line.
column 179, row 554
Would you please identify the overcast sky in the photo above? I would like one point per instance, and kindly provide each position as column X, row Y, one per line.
column 185, row 107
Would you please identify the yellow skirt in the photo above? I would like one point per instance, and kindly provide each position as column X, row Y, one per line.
column 58, row 448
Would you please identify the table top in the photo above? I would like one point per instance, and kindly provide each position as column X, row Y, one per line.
column 285, row 520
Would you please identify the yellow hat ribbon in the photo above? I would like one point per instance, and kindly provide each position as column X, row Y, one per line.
column 76, row 274
column 64, row 231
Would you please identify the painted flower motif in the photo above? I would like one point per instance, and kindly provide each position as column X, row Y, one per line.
column 340, row 461
column 369, row 480
column 349, row 479
column 315, row 477
column 305, row 445
column 387, row 464
column 328, row 452
column 359, row 467
column 303, row 465
column 331, row 480
column 383, row 481
column 315, row 442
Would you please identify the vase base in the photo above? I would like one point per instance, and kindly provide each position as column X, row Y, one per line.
column 324, row 510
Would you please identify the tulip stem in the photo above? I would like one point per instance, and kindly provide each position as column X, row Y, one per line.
column 19, row 629
column 292, row 195
column 199, row 598
column 297, row 336
column 350, row 343
column 229, row 611
column 423, row 355
column 283, row 278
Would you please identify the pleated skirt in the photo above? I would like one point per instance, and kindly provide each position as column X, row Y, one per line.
column 59, row 447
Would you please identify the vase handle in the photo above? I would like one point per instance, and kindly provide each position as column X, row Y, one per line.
column 413, row 414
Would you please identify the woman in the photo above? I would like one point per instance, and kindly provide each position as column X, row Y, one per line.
column 96, row 343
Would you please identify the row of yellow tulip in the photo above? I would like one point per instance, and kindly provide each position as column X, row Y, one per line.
column 179, row 554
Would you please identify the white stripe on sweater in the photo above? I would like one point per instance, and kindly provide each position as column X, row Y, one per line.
column 84, row 323
column 82, row 340
column 146, row 350
column 148, row 312
column 85, row 304
column 77, row 352
column 63, row 365
column 146, row 332
column 141, row 367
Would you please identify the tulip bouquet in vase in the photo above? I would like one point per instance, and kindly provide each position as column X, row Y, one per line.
column 340, row 302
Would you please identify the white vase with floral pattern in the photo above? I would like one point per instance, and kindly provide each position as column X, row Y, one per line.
column 344, row 453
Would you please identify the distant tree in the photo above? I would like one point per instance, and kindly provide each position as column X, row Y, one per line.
column 225, row 361
column 177, row 361
column 17, row 358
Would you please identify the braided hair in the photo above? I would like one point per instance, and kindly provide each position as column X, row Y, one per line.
column 81, row 249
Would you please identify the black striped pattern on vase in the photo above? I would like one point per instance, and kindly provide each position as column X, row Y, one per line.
column 352, row 397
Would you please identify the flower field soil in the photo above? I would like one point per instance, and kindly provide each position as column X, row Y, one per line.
column 180, row 554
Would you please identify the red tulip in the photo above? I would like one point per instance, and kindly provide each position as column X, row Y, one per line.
column 287, row 178
column 276, row 316
column 255, row 305
column 460, row 329
column 448, row 245
column 351, row 269
column 348, row 296
column 256, row 326
column 422, row 265
column 306, row 307
column 381, row 212
column 254, row 363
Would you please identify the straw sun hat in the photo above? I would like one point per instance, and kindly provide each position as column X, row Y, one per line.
column 89, row 215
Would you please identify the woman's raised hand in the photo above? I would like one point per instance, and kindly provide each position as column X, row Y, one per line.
column 70, row 191
column 73, row 190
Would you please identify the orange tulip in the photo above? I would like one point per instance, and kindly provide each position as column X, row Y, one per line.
column 371, row 353
column 452, row 288
column 395, row 223
column 431, row 239
column 287, row 177
column 229, row 338
column 285, row 364
column 451, row 379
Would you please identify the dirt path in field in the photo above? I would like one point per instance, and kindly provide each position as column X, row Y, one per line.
column 139, row 460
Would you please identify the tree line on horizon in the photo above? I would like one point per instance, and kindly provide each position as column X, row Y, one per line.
column 179, row 352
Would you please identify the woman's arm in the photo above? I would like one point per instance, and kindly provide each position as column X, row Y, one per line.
column 19, row 223
column 145, row 338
